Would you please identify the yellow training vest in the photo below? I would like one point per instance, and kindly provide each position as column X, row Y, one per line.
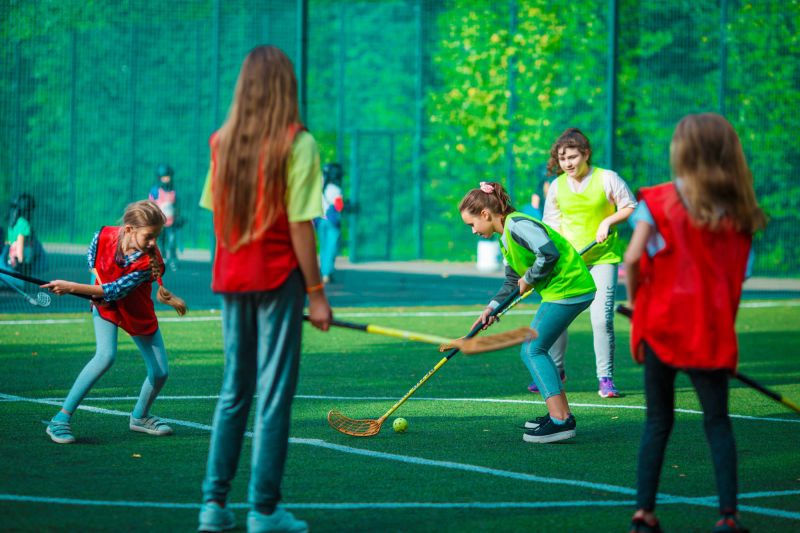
column 581, row 215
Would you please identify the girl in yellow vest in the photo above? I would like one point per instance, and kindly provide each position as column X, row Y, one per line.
column 585, row 204
column 536, row 257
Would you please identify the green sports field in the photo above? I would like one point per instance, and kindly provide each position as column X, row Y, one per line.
column 461, row 466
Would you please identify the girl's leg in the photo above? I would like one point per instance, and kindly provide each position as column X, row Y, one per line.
column 712, row 390
column 550, row 322
column 155, row 360
column 659, row 386
column 280, row 323
column 602, row 314
column 105, row 334
column 240, row 336
column 327, row 247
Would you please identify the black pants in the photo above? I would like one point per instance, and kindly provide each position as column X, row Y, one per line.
column 712, row 390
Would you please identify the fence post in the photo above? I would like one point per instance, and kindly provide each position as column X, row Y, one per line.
column 354, row 185
column 723, row 54
column 611, row 74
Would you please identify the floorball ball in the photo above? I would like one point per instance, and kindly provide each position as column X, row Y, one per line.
column 400, row 425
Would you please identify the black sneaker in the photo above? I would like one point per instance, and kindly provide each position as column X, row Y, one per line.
column 728, row 523
column 536, row 422
column 550, row 432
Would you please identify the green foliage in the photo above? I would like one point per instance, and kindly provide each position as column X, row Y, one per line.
column 443, row 93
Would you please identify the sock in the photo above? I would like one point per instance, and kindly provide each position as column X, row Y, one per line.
column 557, row 422
column 62, row 416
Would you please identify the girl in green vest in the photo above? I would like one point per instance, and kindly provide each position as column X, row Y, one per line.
column 536, row 257
column 585, row 204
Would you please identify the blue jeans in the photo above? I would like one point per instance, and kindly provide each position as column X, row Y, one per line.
column 261, row 335
column 329, row 236
column 550, row 321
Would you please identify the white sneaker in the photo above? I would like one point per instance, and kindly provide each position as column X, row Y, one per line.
column 215, row 518
column 150, row 424
column 279, row 521
column 60, row 432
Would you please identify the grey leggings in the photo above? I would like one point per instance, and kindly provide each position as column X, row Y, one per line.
column 602, row 316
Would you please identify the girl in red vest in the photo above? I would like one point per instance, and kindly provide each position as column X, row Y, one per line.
column 265, row 189
column 125, row 261
column 686, row 262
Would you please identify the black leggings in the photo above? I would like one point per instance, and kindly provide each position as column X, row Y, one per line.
column 712, row 390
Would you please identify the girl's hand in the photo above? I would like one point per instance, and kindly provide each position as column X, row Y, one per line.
column 523, row 286
column 319, row 310
column 59, row 286
column 602, row 231
column 485, row 319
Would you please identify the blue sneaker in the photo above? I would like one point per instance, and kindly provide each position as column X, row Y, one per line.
column 60, row 432
column 281, row 520
column 534, row 389
column 215, row 518
column 607, row 389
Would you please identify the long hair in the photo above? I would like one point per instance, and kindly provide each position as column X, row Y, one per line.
column 22, row 205
column 571, row 138
column 716, row 182
column 498, row 202
column 255, row 139
column 142, row 214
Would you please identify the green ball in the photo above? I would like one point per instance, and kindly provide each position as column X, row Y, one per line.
column 400, row 425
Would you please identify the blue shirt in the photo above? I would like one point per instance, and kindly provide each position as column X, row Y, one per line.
column 121, row 287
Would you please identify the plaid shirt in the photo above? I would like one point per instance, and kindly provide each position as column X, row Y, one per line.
column 119, row 288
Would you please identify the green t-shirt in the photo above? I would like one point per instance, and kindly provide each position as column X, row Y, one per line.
column 21, row 227
column 303, row 185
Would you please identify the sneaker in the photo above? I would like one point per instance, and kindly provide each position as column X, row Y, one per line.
column 550, row 432
column 150, row 424
column 534, row 389
column 728, row 523
column 281, row 520
column 215, row 518
column 60, row 432
column 638, row 525
column 536, row 422
column 607, row 389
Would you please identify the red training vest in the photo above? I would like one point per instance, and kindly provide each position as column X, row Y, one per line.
column 259, row 265
column 135, row 313
column 689, row 295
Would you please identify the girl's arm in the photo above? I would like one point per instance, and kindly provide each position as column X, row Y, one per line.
column 551, row 215
column 641, row 235
column 18, row 255
column 605, row 226
column 60, row 286
column 305, row 248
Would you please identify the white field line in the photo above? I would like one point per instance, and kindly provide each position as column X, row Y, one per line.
column 706, row 501
column 362, row 314
column 608, row 406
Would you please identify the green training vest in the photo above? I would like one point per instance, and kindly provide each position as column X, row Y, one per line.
column 581, row 215
column 569, row 277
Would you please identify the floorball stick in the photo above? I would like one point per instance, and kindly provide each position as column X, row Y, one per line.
column 367, row 427
column 750, row 382
column 486, row 343
column 40, row 282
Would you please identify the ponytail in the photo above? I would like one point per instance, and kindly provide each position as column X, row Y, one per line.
column 490, row 195
column 164, row 296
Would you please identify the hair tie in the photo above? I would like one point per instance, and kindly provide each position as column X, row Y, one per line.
column 488, row 188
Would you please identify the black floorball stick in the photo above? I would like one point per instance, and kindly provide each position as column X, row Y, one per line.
column 750, row 382
column 37, row 281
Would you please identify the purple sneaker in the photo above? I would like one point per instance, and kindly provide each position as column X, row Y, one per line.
column 534, row 389
column 607, row 389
